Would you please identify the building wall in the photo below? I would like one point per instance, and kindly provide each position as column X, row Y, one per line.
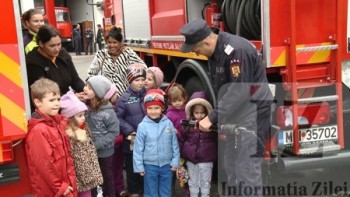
column 81, row 11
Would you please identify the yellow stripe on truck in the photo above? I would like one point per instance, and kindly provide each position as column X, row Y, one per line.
column 13, row 112
column 10, row 69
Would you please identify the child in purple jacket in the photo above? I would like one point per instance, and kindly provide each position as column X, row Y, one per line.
column 177, row 98
column 199, row 148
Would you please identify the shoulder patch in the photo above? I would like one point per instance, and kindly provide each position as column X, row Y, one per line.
column 235, row 68
column 229, row 49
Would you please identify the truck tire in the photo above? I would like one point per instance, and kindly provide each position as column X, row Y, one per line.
column 192, row 74
column 193, row 84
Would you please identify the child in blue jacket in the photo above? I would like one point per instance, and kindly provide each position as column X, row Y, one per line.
column 156, row 150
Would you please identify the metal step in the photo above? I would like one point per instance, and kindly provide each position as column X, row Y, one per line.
column 317, row 48
column 318, row 99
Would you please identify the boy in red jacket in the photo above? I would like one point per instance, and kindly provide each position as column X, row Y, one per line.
column 50, row 164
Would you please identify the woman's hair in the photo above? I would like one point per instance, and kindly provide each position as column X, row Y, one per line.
column 43, row 86
column 45, row 33
column 115, row 33
column 175, row 92
column 29, row 13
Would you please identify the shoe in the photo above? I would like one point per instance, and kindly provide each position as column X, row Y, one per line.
column 134, row 195
column 122, row 194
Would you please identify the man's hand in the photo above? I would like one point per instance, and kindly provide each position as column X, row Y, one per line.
column 205, row 124
column 142, row 174
column 68, row 190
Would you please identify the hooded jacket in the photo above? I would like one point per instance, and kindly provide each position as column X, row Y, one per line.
column 198, row 146
column 50, row 164
column 130, row 111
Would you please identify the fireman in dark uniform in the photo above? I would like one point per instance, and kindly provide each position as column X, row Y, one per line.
column 239, row 80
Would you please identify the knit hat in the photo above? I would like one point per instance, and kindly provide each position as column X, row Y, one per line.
column 102, row 87
column 158, row 74
column 136, row 70
column 198, row 98
column 154, row 97
column 71, row 105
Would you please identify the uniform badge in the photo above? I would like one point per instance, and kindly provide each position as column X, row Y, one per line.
column 167, row 130
column 235, row 68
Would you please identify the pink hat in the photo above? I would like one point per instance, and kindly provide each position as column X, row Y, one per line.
column 71, row 105
column 158, row 74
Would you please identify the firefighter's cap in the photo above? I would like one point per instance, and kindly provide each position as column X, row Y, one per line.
column 194, row 32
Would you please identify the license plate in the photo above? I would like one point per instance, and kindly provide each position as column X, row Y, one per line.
column 313, row 134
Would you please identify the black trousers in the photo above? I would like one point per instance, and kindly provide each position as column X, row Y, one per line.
column 106, row 165
column 134, row 180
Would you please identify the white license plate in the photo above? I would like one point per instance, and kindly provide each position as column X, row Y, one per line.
column 312, row 134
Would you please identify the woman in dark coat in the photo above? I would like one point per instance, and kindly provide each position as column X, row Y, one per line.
column 52, row 61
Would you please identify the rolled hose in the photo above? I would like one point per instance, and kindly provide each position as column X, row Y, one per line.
column 242, row 18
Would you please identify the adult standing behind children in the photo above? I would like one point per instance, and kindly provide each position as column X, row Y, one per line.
column 100, row 38
column 113, row 61
column 89, row 36
column 77, row 39
column 238, row 77
column 50, row 164
column 52, row 61
column 104, row 126
column 33, row 20
column 86, row 165
column 156, row 152
column 130, row 112
column 199, row 148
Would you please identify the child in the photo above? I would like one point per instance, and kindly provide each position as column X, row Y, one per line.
column 156, row 151
column 154, row 77
column 50, row 165
column 130, row 112
column 199, row 148
column 83, row 150
column 177, row 98
column 104, row 126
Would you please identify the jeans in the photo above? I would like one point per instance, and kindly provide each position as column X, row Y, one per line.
column 157, row 181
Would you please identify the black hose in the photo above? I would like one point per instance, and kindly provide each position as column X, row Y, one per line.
column 242, row 17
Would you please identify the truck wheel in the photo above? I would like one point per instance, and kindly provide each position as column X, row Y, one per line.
column 193, row 84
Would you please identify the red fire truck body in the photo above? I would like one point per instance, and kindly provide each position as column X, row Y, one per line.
column 304, row 45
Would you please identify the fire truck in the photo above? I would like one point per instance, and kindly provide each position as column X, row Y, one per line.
column 305, row 50
column 304, row 45
column 14, row 104
column 58, row 16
